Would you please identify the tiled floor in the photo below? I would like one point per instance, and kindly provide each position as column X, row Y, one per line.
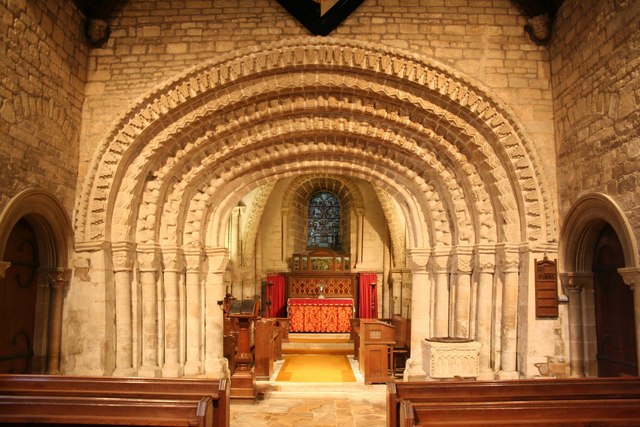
column 313, row 404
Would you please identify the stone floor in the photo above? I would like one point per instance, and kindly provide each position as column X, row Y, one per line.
column 313, row 404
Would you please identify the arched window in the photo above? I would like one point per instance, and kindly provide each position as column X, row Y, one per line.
column 323, row 221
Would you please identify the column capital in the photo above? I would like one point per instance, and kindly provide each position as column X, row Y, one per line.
column 575, row 282
column 122, row 254
column 630, row 275
column 217, row 258
column 4, row 265
column 462, row 260
column 148, row 258
column 172, row 258
column 486, row 259
column 193, row 258
column 59, row 278
column 418, row 258
column 441, row 258
column 509, row 258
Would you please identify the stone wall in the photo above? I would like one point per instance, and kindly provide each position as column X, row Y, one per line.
column 153, row 41
column 43, row 62
column 596, row 85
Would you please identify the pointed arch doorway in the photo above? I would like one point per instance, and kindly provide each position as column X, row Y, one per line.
column 614, row 310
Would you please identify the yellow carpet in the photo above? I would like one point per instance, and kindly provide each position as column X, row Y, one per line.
column 316, row 368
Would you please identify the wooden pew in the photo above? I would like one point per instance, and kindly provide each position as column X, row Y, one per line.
column 131, row 388
column 402, row 347
column 34, row 410
column 511, row 390
column 268, row 347
column 570, row 412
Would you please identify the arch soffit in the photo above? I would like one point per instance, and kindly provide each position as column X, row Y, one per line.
column 228, row 196
column 454, row 176
column 583, row 225
column 434, row 77
column 49, row 219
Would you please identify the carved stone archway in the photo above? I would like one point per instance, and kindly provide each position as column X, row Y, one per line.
column 447, row 151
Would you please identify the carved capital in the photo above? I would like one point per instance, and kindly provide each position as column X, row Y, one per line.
column 148, row 258
column 441, row 260
column 575, row 282
column 462, row 261
column 122, row 254
column 172, row 259
column 418, row 258
column 509, row 259
column 630, row 275
column 193, row 259
column 4, row 265
column 217, row 259
column 59, row 279
column 486, row 260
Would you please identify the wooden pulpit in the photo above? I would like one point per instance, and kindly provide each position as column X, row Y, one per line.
column 377, row 340
column 243, row 380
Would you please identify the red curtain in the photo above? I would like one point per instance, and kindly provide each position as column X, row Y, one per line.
column 275, row 294
column 368, row 302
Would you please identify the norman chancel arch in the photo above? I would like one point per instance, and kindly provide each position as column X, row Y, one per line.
column 441, row 160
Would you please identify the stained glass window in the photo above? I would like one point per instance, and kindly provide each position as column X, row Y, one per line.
column 323, row 222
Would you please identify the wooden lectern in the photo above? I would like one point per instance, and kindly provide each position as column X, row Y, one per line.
column 376, row 350
column 243, row 380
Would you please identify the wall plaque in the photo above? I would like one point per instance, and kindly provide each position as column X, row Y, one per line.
column 546, row 288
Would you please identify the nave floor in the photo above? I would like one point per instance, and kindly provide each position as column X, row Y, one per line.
column 313, row 404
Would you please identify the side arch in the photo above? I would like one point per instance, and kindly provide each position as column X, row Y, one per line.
column 53, row 232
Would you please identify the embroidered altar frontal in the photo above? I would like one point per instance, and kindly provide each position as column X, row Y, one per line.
column 320, row 314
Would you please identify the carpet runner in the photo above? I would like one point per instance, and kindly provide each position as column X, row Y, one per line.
column 316, row 368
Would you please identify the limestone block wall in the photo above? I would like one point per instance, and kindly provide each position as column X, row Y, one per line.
column 43, row 62
column 596, row 85
column 153, row 41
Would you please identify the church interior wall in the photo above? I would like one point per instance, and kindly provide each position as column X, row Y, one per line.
column 43, row 63
column 595, row 86
column 594, row 102
column 152, row 42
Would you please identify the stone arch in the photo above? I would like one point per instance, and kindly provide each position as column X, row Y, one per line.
column 499, row 142
column 579, row 235
column 53, row 231
column 581, row 228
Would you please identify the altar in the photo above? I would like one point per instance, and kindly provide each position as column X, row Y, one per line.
column 320, row 314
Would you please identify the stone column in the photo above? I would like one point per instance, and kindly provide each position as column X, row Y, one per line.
column 484, row 309
column 122, row 254
column 193, row 364
column 420, row 311
column 284, row 236
column 573, row 284
column 172, row 272
column 58, row 282
column 359, row 237
column 441, row 281
column 631, row 277
column 509, row 263
column 215, row 364
column 462, row 307
column 148, row 265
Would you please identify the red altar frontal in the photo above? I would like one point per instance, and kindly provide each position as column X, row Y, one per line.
column 320, row 314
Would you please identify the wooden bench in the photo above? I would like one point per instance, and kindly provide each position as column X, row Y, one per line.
column 512, row 390
column 131, row 388
column 570, row 412
column 34, row 410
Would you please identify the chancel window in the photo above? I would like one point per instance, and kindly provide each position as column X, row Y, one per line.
column 323, row 221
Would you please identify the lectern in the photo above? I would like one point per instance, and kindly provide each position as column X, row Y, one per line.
column 376, row 350
column 243, row 380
